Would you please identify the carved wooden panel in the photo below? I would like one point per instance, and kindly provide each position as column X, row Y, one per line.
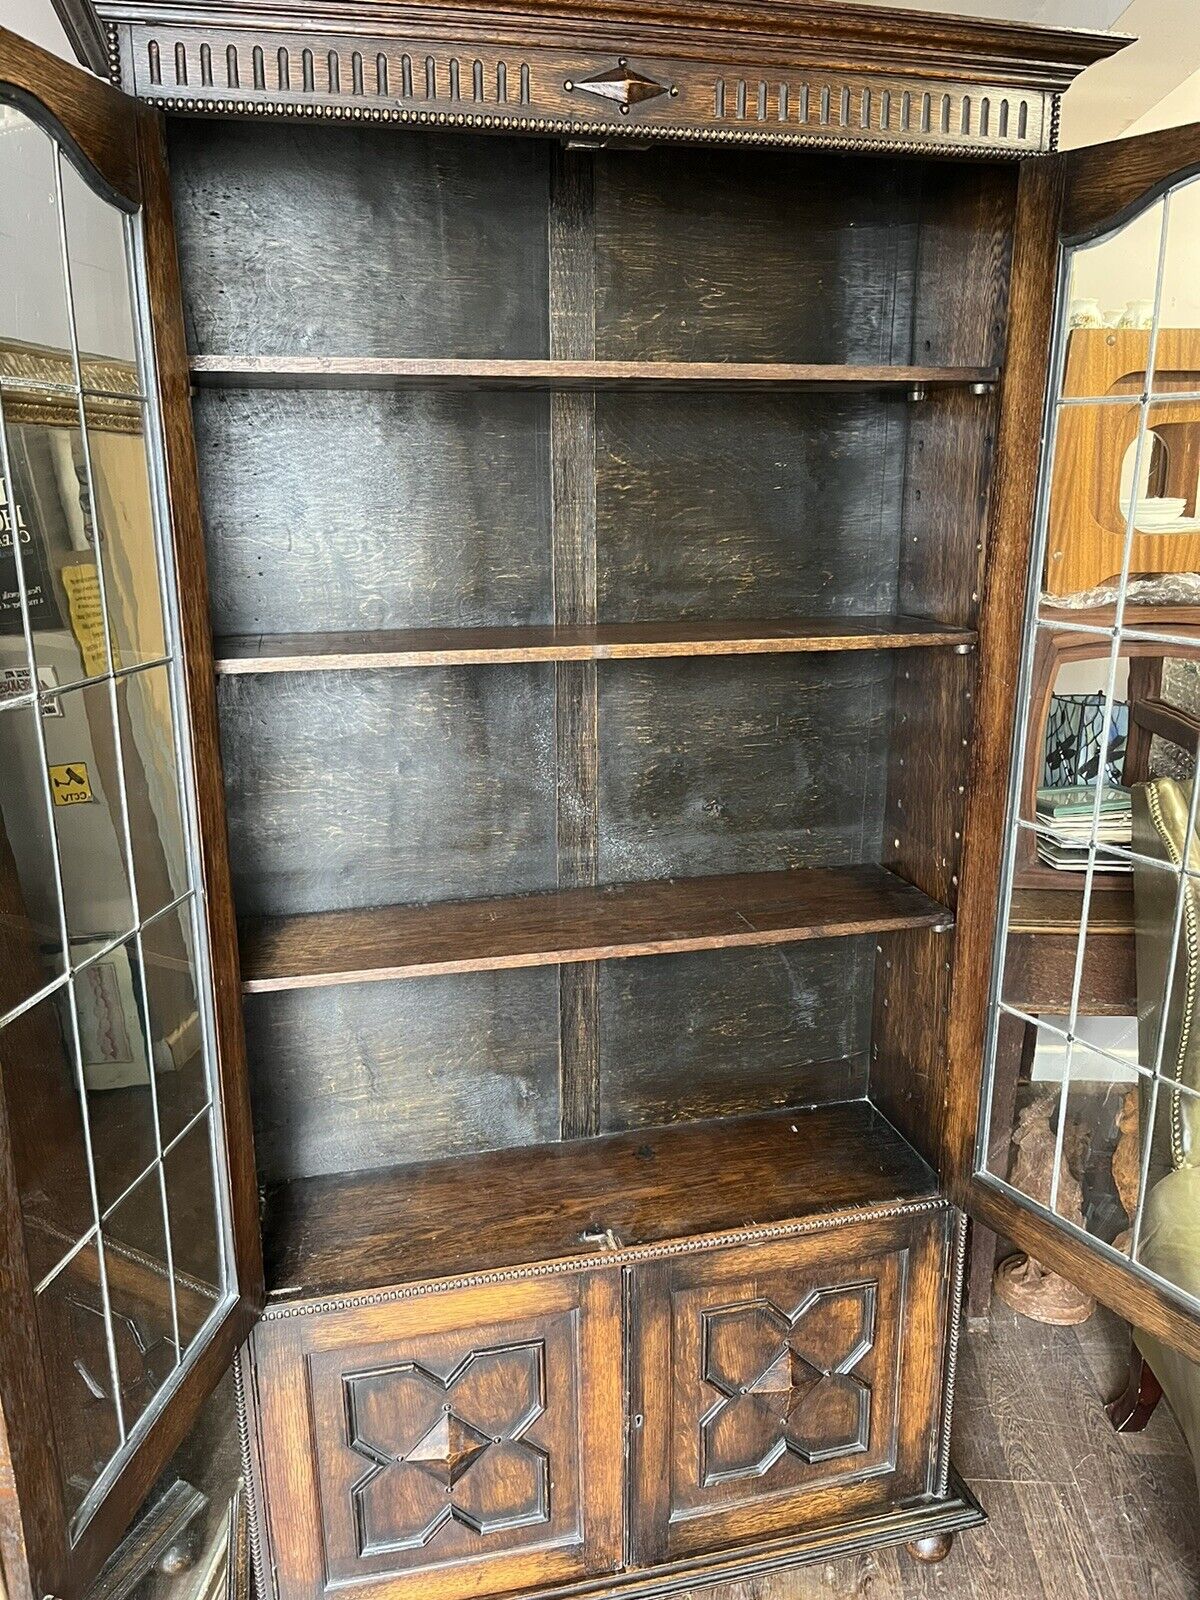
column 468, row 1442
column 785, row 1386
column 580, row 92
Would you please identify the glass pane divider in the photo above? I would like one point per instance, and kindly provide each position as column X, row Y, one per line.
column 90, row 1237
column 74, row 1006
column 1106, row 720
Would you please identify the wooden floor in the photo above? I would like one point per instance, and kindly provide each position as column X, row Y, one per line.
column 1077, row 1511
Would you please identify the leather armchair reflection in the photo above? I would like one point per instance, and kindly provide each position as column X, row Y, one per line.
column 1170, row 1235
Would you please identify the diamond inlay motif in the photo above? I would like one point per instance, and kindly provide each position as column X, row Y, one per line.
column 447, row 1449
column 786, row 1382
column 623, row 86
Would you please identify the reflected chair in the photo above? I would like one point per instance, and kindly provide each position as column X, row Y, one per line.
column 1170, row 1233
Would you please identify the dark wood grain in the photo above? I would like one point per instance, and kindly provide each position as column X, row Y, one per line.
column 1105, row 184
column 723, row 766
column 719, row 506
column 529, row 1375
column 369, row 1075
column 633, row 641
column 1035, row 254
column 389, row 786
column 631, row 919
column 867, row 1301
column 384, row 511
column 669, row 287
column 380, row 372
column 572, row 311
column 425, row 1221
column 774, row 1026
column 466, row 216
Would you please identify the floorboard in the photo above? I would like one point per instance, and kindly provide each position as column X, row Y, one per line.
column 1077, row 1511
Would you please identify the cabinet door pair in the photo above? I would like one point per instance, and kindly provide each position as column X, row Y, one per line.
column 488, row 1438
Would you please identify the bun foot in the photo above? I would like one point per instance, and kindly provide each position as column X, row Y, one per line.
column 935, row 1547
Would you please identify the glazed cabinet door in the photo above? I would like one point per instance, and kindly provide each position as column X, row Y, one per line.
column 785, row 1387
column 448, row 1444
column 1081, row 890
column 130, row 1251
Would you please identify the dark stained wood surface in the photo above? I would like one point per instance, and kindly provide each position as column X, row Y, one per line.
column 434, row 647
column 371, row 1075
column 389, row 787
column 1106, row 183
column 379, row 372
column 342, row 206
column 628, row 919
column 779, row 1025
column 439, row 1219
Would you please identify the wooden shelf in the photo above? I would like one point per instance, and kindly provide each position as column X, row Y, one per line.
column 361, row 1231
column 619, row 641
column 536, row 930
column 377, row 372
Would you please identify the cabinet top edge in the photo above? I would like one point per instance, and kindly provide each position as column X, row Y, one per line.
column 867, row 38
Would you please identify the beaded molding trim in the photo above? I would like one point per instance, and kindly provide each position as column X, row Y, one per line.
column 953, row 1336
column 604, row 1259
column 267, row 73
column 590, row 131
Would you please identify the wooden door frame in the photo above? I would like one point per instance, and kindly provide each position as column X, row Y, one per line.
column 1061, row 200
column 118, row 146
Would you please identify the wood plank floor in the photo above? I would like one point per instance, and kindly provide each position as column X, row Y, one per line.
column 1077, row 1511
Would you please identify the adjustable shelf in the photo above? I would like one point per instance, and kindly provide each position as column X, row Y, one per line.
column 620, row 920
column 620, row 641
column 361, row 1230
column 379, row 372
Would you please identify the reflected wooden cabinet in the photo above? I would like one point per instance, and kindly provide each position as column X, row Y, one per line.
column 516, row 528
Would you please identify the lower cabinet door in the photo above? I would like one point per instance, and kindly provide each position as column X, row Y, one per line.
column 453, row 1444
column 785, row 1386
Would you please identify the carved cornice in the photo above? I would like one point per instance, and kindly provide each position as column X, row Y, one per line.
column 603, row 1258
column 793, row 33
column 488, row 88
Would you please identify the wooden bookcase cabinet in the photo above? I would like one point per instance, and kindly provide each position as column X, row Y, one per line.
column 607, row 591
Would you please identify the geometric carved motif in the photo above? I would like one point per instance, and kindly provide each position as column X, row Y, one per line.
column 448, row 1449
column 786, row 1382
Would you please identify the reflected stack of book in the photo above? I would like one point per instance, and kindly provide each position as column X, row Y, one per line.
column 1068, row 815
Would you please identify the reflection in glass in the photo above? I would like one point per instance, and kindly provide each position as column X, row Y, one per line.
column 30, row 929
column 1091, row 1076
column 195, row 1233
column 74, row 1341
column 1085, row 524
column 57, row 538
column 92, row 837
column 116, row 1070
column 124, row 512
column 152, row 788
column 99, row 276
column 176, row 1040
column 33, row 301
column 139, row 1292
column 84, row 773
column 1109, row 302
column 37, row 1060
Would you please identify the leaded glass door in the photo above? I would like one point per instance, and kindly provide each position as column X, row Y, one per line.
column 1084, row 1149
column 130, row 1240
